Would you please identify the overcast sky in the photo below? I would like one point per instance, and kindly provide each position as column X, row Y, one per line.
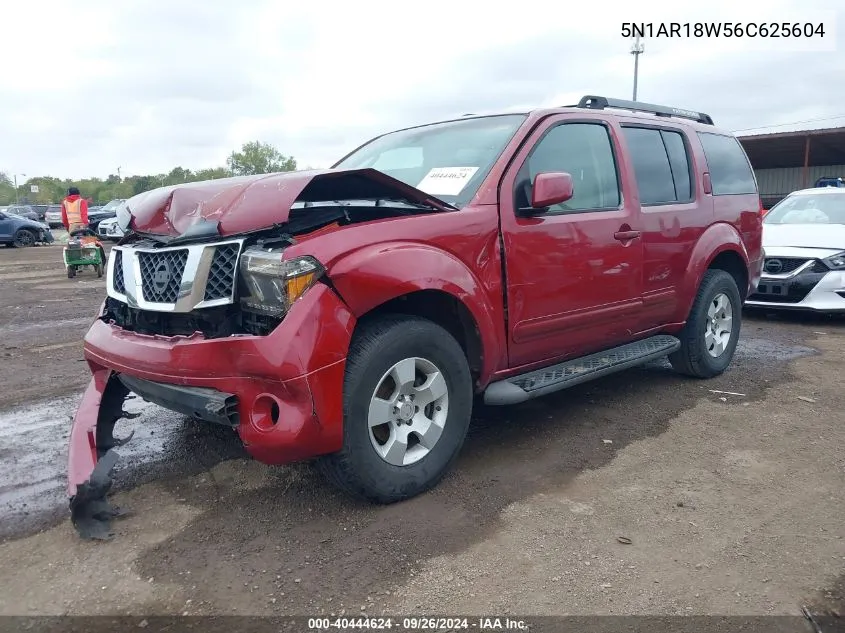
column 92, row 85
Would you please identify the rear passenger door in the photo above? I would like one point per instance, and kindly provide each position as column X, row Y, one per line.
column 673, row 213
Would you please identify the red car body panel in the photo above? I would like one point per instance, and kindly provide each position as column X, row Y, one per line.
column 538, row 289
column 299, row 368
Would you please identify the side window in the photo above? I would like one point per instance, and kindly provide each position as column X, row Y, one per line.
column 680, row 164
column 730, row 172
column 651, row 165
column 584, row 151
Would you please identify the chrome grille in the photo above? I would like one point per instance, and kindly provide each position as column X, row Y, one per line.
column 783, row 265
column 221, row 275
column 119, row 283
column 161, row 274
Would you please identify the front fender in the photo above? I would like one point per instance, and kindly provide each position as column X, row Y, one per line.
column 716, row 239
column 374, row 275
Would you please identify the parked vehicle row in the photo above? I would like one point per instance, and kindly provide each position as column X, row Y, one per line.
column 20, row 232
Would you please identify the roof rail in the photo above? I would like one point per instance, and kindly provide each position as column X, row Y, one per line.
column 600, row 103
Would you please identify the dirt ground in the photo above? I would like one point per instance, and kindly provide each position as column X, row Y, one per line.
column 732, row 502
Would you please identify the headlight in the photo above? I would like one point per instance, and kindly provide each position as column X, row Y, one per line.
column 836, row 262
column 271, row 284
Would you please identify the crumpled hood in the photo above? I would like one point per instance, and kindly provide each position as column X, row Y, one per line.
column 249, row 203
column 827, row 236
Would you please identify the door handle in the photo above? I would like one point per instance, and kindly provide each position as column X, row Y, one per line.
column 624, row 236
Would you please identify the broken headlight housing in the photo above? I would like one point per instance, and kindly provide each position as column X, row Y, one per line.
column 835, row 262
column 270, row 284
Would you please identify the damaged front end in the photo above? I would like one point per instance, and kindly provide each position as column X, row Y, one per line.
column 92, row 455
column 204, row 270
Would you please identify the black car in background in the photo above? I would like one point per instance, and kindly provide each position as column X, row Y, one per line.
column 98, row 214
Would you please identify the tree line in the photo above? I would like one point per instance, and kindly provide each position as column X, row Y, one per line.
column 253, row 158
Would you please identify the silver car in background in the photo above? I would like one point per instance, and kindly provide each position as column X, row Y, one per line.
column 804, row 240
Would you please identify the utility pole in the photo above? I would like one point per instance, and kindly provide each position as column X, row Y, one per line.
column 118, row 174
column 636, row 50
column 17, row 199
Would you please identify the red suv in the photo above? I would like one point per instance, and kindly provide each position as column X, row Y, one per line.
column 350, row 315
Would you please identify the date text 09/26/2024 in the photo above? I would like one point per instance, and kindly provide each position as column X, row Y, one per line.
column 724, row 29
column 417, row 623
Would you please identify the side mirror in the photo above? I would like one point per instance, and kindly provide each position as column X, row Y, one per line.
column 551, row 188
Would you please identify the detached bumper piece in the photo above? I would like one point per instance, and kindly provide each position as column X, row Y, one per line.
column 92, row 457
column 202, row 403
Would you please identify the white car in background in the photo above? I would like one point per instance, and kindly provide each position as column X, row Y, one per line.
column 109, row 230
column 804, row 240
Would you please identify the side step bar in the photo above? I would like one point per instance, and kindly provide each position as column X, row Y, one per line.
column 202, row 403
column 574, row 372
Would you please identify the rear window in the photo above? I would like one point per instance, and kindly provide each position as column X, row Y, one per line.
column 730, row 171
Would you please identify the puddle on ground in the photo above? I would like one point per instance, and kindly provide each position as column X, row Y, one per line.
column 768, row 349
column 33, row 455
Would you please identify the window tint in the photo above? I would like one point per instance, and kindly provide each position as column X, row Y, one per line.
column 584, row 151
column 651, row 165
column 680, row 164
column 729, row 169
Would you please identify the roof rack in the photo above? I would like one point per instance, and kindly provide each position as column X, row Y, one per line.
column 593, row 102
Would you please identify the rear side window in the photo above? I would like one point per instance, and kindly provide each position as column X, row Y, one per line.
column 730, row 172
column 680, row 163
column 661, row 165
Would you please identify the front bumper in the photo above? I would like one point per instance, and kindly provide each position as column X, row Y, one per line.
column 282, row 392
column 809, row 291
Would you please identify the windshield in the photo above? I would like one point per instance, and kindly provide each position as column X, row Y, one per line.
column 813, row 208
column 446, row 160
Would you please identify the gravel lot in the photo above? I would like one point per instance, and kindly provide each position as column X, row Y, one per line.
column 733, row 504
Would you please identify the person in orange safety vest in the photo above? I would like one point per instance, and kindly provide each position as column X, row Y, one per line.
column 74, row 211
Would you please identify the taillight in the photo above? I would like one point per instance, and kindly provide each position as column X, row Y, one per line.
column 763, row 210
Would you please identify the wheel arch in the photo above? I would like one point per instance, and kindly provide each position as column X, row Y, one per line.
column 719, row 247
column 431, row 283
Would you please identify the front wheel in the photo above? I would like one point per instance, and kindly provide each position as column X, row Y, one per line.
column 24, row 238
column 71, row 272
column 407, row 404
column 709, row 338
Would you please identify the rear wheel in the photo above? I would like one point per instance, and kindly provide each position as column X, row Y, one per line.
column 99, row 268
column 708, row 340
column 71, row 272
column 407, row 405
column 24, row 238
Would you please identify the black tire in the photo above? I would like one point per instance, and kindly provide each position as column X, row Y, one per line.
column 99, row 268
column 693, row 358
column 357, row 468
column 71, row 272
column 24, row 238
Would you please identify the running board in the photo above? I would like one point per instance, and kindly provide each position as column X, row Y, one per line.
column 574, row 372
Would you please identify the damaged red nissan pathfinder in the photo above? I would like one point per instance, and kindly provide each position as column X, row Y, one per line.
column 351, row 315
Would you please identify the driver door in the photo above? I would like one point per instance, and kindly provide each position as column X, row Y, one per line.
column 574, row 272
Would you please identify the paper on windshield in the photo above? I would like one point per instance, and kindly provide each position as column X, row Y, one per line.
column 446, row 181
